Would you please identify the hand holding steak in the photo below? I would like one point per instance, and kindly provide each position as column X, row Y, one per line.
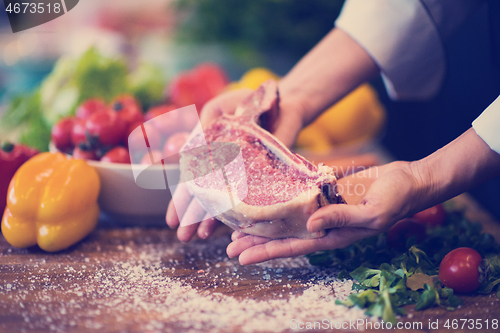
column 273, row 191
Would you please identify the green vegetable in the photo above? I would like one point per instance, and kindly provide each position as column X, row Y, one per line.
column 24, row 114
column 146, row 83
column 71, row 82
column 97, row 76
column 388, row 279
column 492, row 273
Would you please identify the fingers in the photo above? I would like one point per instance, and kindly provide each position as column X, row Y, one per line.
column 270, row 249
column 253, row 249
column 194, row 214
column 171, row 217
column 236, row 235
column 224, row 103
column 207, row 227
column 178, row 205
column 185, row 233
column 339, row 216
column 242, row 243
column 287, row 129
column 204, row 229
column 190, row 221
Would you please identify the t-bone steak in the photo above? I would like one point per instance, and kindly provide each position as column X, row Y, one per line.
column 272, row 190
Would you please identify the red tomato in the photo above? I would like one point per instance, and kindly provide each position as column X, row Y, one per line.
column 61, row 134
column 402, row 230
column 197, row 86
column 189, row 121
column 433, row 216
column 459, row 270
column 213, row 77
column 173, row 146
column 167, row 123
column 106, row 127
column 157, row 156
column 117, row 155
column 89, row 107
column 184, row 90
column 128, row 108
column 158, row 110
column 137, row 141
column 78, row 132
column 84, row 154
column 128, row 101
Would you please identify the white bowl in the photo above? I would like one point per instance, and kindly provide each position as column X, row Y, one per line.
column 122, row 200
column 121, row 195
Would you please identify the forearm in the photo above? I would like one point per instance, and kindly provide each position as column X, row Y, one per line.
column 333, row 68
column 459, row 166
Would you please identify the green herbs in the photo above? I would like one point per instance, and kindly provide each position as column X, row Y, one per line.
column 388, row 279
column 491, row 270
column 384, row 291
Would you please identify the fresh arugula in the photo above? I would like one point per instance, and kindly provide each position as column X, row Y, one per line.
column 388, row 279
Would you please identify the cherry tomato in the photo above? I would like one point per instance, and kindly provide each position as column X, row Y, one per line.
column 404, row 229
column 78, row 132
column 167, row 123
column 173, row 146
column 157, row 156
column 89, row 107
column 128, row 108
column 158, row 110
column 61, row 134
column 459, row 270
column 189, row 121
column 117, row 155
column 433, row 216
column 137, row 141
column 84, row 154
column 106, row 127
column 128, row 101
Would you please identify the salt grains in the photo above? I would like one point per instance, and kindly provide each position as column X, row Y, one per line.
column 151, row 289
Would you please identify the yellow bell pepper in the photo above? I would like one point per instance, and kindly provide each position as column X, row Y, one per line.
column 52, row 202
column 252, row 79
column 356, row 118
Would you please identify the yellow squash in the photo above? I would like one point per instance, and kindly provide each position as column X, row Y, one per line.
column 52, row 202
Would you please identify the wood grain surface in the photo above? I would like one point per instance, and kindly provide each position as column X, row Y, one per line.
column 115, row 280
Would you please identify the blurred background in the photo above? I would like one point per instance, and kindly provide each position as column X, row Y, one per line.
column 109, row 47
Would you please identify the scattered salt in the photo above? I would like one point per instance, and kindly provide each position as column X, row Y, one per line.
column 143, row 286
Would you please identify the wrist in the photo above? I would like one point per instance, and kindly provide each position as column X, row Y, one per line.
column 426, row 185
column 291, row 118
column 457, row 167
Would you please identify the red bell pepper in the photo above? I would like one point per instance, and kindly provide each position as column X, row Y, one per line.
column 11, row 158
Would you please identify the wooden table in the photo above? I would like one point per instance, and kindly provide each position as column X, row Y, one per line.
column 131, row 279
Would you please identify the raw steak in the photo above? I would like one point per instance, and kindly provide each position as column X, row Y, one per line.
column 272, row 191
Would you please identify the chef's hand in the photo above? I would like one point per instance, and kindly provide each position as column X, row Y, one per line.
column 377, row 198
column 187, row 211
column 393, row 191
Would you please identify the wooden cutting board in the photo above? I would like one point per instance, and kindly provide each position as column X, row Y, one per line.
column 121, row 279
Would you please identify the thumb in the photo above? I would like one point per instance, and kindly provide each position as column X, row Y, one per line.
column 225, row 103
column 339, row 216
column 287, row 128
